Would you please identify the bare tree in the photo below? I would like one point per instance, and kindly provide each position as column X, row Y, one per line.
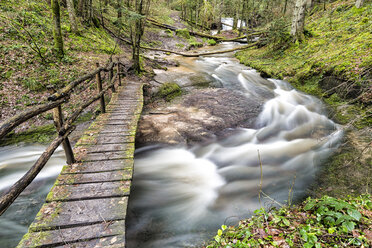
column 142, row 8
column 359, row 3
column 72, row 15
column 298, row 20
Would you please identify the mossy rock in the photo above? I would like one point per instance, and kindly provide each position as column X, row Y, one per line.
column 195, row 44
column 169, row 91
column 184, row 33
column 211, row 42
column 169, row 32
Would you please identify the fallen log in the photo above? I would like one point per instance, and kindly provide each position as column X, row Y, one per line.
column 201, row 54
column 193, row 33
column 185, row 54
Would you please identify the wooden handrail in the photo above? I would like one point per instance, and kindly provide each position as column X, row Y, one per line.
column 9, row 197
column 63, row 129
column 8, row 125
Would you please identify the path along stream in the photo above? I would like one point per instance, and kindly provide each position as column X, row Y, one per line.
column 182, row 195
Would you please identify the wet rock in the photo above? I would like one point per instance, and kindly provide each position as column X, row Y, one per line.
column 188, row 80
column 199, row 116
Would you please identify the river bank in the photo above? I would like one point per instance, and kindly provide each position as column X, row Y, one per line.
column 338, row 71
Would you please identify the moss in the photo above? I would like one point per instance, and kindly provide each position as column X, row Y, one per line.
column 193, row 43
column 42, row 134
column 169, row 32
column 184, row 33
column 180, row 45
column 169, row 91
column 32, row 240
column 211, row 42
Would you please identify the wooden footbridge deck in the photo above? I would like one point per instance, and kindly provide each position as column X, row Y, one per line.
column 87, row 205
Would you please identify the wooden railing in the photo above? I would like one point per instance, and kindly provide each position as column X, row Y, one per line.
column 64, row 126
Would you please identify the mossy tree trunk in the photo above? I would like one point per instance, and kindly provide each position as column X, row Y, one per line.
column 142, row 8
column 298, row 20
column 57, row 32
column 72, row 15
column 119, row 4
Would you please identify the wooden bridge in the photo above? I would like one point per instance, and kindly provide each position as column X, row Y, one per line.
column 87, row 205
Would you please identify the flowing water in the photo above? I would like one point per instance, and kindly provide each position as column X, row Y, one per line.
column 14, row 163
column 182, row 195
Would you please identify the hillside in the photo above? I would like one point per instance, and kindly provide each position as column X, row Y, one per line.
column 334, row 63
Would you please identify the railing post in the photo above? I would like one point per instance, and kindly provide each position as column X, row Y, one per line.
column 58, row 122
column 99, row 88
column 118, row 71
column 111, row 75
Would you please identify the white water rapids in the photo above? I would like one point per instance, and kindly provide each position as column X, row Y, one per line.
column 15, row 161
column 181, row 195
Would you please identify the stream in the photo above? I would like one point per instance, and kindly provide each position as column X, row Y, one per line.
column 182, row 195
column 15, row 161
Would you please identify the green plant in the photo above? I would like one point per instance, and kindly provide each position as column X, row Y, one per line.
column 184, row 33
column 308, row 225
column 211, row 42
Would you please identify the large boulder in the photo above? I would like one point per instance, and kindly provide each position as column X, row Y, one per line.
column 202, row 115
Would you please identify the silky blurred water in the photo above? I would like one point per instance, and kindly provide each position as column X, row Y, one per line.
column 182, row 195
column 14, row 163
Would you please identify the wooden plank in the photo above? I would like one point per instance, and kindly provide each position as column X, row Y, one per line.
column 107, row 147
column 87, row 191
column 108, row 242
column 109, row 176
column 103, row 156
column 102, row 166
column 98, row 233
column 115, row 128
column 112, row 139
column 69, row 214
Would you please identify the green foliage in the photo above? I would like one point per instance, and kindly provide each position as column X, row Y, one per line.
column 278, row 36
column 193, row 43
column 41, row 134
column 211, row 42
column 184, row 33
column 169, row 91
column 325, row 222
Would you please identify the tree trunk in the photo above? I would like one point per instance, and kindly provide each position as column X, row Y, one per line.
column 72, row 15
column 142, row 7
column 298, row 21
column 57, row 32
column 359, row 3
column 119, row 9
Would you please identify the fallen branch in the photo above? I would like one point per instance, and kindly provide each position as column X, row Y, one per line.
column 201, row 54
column 193, row 33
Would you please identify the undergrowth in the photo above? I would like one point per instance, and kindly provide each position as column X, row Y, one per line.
column 325, row 222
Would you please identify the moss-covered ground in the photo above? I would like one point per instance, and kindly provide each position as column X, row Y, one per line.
column 28, row 64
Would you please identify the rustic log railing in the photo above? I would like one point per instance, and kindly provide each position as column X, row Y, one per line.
column 64, row 126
